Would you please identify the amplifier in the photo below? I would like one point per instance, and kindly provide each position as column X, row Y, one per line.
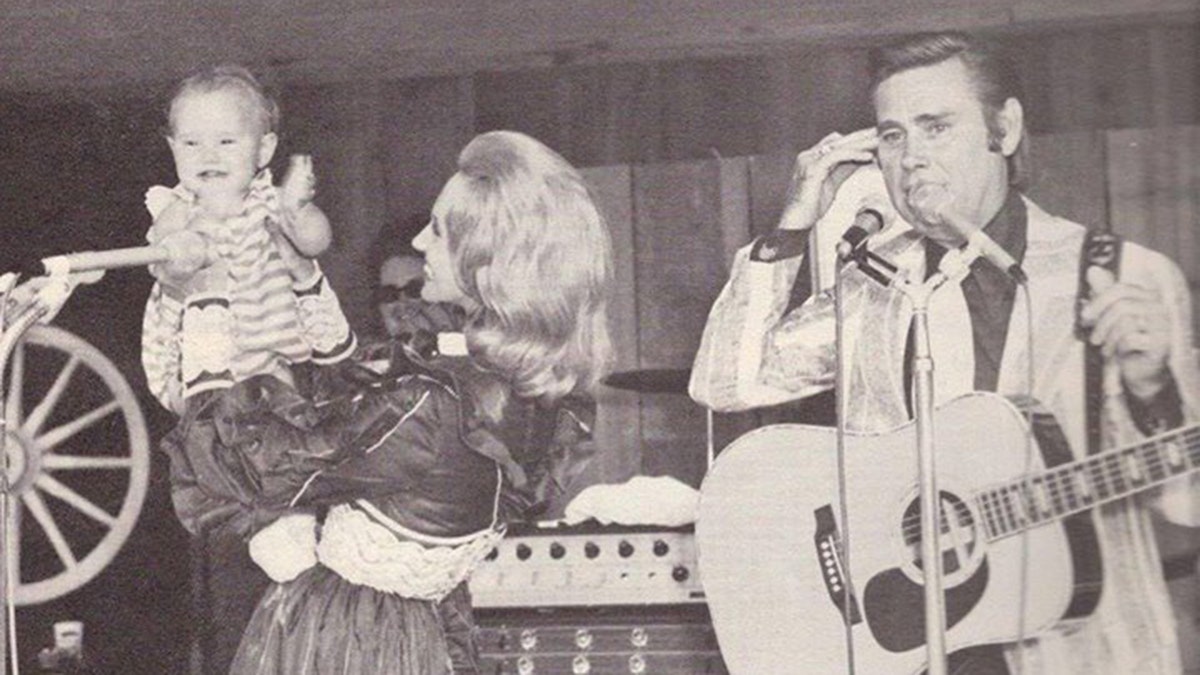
column 589, row 565
column 671, row 641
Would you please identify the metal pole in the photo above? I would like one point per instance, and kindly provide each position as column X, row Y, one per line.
column 930, row 503
column 931, row 557
column 9, row 338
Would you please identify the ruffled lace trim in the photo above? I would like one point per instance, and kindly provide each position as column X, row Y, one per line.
column 364, row 551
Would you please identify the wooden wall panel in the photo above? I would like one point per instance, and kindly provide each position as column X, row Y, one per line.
column 678, row 246
column 734, row 179
column 618, row 424
column 811, row 93
column 423, row 125
column 1069, row 178
column 1154, row 190
column 339, row 126
column 1176, row 54
column 770, row 176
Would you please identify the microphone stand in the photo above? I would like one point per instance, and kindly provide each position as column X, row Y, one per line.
column 10, row 335
column 12, row 329
column 887, row 274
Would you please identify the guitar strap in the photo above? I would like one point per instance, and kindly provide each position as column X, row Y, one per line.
column 1102, row 249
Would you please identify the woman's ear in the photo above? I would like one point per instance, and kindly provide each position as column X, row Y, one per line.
column 266, row 148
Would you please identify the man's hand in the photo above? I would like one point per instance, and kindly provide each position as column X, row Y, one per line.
column 1131, row 324
column 820, row 172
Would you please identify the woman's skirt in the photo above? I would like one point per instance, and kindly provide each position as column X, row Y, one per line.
column 321, row 624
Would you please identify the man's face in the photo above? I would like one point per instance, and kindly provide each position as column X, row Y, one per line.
column 933, row 149
column 400, row 279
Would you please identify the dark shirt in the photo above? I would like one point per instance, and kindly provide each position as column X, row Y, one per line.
column 989, row 291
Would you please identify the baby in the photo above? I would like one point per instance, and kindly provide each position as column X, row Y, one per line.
column 242, row 295
column 240, row 303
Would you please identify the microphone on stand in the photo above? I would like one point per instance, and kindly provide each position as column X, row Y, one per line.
column 868, row 221
column 88, row 261
column 852, row 248
column 188, row 251
column 980, row 245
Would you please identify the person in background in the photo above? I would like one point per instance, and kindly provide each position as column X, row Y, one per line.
column 403, row 314
column 952, row 145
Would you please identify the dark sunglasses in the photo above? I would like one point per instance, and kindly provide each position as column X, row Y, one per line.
column 383, row 295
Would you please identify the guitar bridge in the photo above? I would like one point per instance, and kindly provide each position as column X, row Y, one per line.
column 828, row 544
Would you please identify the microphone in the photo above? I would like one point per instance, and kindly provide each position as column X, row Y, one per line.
column 186, row 250
column 87, row 261
column 981, row 245
column 868, row 221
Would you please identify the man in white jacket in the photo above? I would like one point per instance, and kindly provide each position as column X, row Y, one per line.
column 950, row 142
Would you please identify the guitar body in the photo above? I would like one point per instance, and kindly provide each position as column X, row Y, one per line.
column 769, row 532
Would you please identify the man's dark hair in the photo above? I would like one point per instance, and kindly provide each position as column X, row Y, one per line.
column 992, row 75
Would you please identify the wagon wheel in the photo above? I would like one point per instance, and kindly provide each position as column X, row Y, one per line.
column 78, row 458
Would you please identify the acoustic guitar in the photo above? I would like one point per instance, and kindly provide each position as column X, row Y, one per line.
column 1018, row 544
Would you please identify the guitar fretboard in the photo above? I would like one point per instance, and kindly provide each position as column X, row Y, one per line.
column 1083, row 484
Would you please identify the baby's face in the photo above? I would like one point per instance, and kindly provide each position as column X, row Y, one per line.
column 218, row 143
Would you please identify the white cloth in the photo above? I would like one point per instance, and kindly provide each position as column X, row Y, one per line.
column 642, row 500
column 286, row 547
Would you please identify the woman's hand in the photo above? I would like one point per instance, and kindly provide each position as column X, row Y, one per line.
column 820, row 172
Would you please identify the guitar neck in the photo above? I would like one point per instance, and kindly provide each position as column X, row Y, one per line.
column 1078, row 486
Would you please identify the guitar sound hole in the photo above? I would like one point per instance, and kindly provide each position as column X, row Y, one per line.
column 959, row 539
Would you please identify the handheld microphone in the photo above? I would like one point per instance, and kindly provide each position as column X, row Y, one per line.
column 868, row 221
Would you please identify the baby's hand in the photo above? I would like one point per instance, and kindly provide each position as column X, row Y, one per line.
column 302, row 223
column 299, row 183
column 189, row 254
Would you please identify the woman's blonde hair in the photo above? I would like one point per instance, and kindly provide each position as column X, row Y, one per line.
column 533, row 251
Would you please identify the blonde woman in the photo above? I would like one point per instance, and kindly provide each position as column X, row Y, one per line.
column 412, row 484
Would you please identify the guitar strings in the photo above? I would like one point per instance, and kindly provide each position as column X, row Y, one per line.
column 1061, row 492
